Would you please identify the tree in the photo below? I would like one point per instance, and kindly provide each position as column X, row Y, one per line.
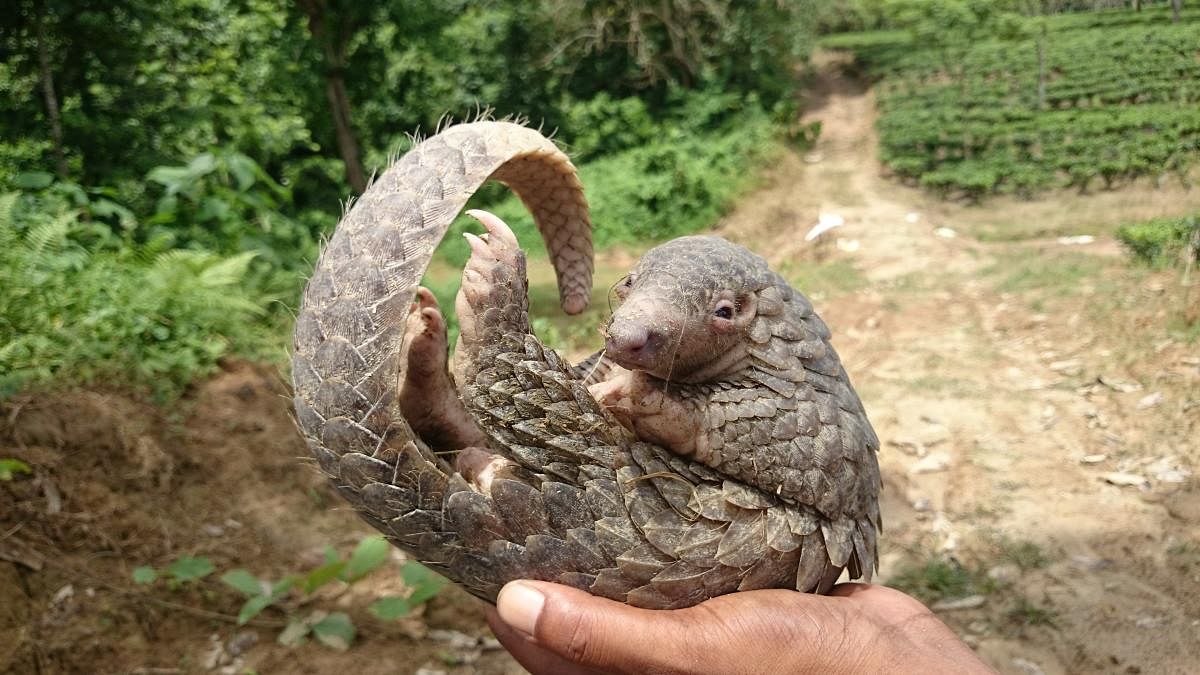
column 333, row 23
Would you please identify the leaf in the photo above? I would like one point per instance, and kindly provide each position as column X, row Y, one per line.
column 253, row 607
column 336, row 630
column 144, row 575
column 281, row 587
column 425, row 583
column 170, row 177
column 202, row 164
column 293, row 635
column 32, row 180
column 390, row 608
column 11, row 467
column 188, row 568
column 243, row 169
column 227, row 272
column 244, row 582
column 322, row 575
column 366, row 558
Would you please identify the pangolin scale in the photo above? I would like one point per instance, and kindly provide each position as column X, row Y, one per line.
column 587, row 504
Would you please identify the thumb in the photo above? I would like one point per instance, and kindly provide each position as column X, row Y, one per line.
column 546, row 626
column 556, row 625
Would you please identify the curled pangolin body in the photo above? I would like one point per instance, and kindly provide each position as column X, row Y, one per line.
column 590, row 505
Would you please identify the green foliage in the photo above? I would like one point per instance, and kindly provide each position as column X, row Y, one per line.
column 678, row 181
column 83, row 304
column 366, row 558
column 1161, row 241
column 174, row 167
column 182, row 571
column 145, row 575
column 333, row 629
column 963, row 116
column 11, row 467
column 424, row 584
column 936, row 579
column 1024, row 554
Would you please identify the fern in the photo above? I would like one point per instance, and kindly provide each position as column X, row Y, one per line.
column 77, row 310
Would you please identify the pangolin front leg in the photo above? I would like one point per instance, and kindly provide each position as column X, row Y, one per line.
column 492, row 299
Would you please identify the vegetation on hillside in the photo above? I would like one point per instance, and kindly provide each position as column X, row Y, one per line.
column 168, row 169
column 976, row 100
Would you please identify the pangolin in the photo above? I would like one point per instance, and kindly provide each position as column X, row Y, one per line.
column 727, row 450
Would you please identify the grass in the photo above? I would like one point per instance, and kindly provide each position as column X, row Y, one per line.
column 938, row 579
column 1064, row 273
column 1025, row 614
column 1024, row 554
column 823, row 279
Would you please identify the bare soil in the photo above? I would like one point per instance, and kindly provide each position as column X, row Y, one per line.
column 119, row 483
column 1007, row 374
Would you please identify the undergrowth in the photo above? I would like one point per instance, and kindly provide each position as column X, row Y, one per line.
column 82, row 305
column 97, row 292
column 1162, row 241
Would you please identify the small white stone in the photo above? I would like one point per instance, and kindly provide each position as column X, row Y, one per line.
column 932, row 463
column 1150, row 400
column 969, row 602
column 1006, row 573
column 1122, row 479
column 1026, row 666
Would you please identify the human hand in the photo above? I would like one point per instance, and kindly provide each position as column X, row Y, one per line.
column 859, row 628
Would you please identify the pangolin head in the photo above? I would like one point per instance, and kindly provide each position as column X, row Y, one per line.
column 686, row 306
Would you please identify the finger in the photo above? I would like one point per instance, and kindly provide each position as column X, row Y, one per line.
column 724, row 635
column 537, row 660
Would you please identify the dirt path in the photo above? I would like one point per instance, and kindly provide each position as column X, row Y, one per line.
column 1006, row 379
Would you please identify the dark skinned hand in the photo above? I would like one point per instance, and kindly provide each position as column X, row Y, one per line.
column 859, row 628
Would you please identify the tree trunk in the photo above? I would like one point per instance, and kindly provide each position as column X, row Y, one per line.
column 1176, row 8
column 52, row 111
column 339, row 103
column 334, row 49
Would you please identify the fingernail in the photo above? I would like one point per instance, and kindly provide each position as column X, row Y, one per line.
column 519, row 605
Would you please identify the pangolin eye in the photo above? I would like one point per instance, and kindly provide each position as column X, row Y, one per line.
column 724, row 311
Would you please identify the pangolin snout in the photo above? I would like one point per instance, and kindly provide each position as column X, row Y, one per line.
column 631, row 343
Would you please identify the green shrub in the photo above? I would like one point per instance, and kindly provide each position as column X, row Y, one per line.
column 83, row 305
column 967, row 116
column 1160, row 241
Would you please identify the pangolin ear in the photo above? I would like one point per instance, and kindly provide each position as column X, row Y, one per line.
column 747, row 309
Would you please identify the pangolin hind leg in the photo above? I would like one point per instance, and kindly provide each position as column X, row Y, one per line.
column 429, row 398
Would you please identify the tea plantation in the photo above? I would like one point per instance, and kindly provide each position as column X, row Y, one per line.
column 1084, row 100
